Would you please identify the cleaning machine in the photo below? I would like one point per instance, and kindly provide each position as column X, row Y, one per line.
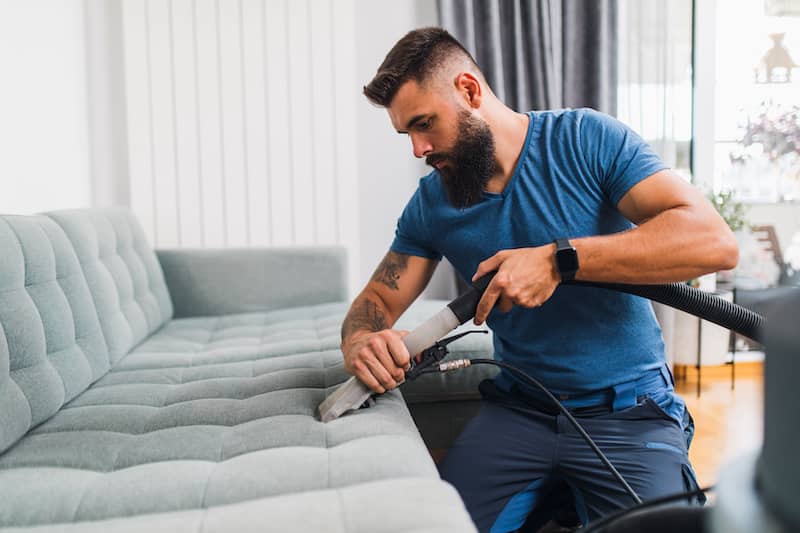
column 758, row 494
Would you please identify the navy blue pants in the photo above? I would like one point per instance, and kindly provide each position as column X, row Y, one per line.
column 517, row 462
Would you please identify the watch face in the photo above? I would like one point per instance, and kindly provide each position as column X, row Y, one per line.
column 567, row 260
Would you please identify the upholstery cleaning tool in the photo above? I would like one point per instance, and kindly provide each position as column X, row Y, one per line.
column 353, row 394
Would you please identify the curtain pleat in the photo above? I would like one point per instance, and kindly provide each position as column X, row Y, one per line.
column 541, row 54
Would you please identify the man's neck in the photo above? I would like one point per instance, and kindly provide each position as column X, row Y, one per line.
column 509, row 129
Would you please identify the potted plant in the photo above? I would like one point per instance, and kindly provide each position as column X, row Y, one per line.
column 734, row 213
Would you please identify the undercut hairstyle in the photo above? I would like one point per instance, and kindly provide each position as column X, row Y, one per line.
column 417, row 56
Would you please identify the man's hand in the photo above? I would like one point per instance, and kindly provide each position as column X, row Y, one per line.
column 378, row 359
column 525, row 276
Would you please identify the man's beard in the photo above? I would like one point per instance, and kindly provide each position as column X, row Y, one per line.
column 471, row 162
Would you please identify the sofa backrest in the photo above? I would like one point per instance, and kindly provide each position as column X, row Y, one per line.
column 51, row 343
column 124, row 277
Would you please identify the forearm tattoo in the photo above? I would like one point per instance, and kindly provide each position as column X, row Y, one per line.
column 365, row 316
column 390, row 269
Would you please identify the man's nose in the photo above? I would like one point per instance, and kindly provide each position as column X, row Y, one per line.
column 421, row 145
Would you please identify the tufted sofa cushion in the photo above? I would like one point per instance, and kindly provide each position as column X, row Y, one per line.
column 424, row 506
column 51, row 345
column 122, row 272
column 215, row 412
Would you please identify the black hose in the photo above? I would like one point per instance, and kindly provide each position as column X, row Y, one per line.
column 695, row 302
column 603, row 524
column 677, row 295
column 535, row 383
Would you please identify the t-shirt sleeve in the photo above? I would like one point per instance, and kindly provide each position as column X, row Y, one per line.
column 616, row 155
column 412, row 236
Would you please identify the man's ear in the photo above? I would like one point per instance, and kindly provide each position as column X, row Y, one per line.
column 469, row 88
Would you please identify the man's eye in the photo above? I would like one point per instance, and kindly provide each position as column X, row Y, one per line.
column 424, row 125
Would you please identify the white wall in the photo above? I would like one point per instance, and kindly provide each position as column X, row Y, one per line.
column 44, row 161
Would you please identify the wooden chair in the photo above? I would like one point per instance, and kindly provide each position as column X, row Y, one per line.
column 766, row 234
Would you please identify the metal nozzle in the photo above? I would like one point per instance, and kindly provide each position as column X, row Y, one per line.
column 455, row 364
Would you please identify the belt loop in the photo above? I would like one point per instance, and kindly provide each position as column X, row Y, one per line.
column 624, row 396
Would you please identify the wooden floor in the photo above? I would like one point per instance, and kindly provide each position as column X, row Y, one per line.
column 728, row 422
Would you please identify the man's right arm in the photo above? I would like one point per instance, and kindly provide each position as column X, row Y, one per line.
column 372, row 351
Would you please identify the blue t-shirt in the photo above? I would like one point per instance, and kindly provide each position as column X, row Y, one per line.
column 574, row 168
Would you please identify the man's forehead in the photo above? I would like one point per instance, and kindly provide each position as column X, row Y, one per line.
column 412, row 99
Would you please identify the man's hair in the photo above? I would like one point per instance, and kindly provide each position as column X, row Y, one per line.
column 416, row 56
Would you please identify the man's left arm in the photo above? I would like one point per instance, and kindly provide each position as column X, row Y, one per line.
column 678, row 236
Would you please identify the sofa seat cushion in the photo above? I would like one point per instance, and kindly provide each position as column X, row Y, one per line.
column 211, row 412
column 427, row 506
column 173, row 352
column 141, row 447
column 189, row 342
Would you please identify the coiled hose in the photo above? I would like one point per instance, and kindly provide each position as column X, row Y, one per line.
column 695, row 302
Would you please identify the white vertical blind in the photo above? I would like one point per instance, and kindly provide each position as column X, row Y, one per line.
column 241, row 121
column 137, row 91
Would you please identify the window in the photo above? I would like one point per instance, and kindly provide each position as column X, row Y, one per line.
column 757, row 101
column 654, row 94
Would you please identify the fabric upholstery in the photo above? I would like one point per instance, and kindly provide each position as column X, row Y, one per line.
column 218, row 411
column 218, row 282
column 219, row 420
column 113, row 416
column 410, row 505
column 123, row 274
column 201, row 340
column 51, row 345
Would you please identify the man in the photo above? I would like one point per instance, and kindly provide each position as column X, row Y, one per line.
column 540, row 197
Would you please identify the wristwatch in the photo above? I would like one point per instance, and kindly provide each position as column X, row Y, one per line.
column 566, row 259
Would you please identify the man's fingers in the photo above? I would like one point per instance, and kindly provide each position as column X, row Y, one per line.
column 392, row 372
column 399, row 353
column 505, row 304
column 381, row 374
column 377, row 355
column 388, row 361
column 379, row 360
column 498, row 287
column 487, row 266
column 362, row 372
column 486, row 303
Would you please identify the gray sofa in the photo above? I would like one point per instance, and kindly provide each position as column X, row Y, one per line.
column 178, row 391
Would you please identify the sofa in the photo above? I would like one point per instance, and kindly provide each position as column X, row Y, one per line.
column 177, row 391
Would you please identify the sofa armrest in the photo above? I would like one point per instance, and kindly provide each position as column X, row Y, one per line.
column 240, row 280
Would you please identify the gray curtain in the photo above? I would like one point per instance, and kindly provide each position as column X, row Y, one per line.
column 541, row 54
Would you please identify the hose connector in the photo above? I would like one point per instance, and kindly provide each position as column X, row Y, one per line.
column 455, row 364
